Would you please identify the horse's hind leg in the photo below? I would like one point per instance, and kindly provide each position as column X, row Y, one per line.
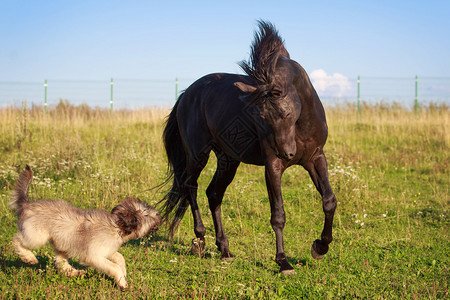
column 194, row 167
column 319, row 175
column 226, row 169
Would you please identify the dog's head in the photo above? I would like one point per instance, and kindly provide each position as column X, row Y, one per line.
column 135, row 218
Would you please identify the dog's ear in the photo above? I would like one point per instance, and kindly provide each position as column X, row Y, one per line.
column 126, row 218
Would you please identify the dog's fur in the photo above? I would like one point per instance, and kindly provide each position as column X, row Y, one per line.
column 93, row 236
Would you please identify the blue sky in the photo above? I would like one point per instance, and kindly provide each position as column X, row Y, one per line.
column 94, row 40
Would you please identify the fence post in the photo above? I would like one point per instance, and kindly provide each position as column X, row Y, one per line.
column 176, row 89
column 45, row 97
column 112, row 98
column 416, row 104
column 359, row 99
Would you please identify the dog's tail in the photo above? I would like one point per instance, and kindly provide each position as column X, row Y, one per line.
column 20, row 193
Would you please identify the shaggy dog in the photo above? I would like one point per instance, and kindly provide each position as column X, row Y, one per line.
column 93, row 236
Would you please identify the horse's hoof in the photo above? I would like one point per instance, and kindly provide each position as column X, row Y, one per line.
column 286, row 268
column 226, row 255
column 198, row 247
column 314, row 252
column 227, row 258
column 288, row 272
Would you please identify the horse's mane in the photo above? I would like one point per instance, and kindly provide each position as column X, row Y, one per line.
column 266, row 48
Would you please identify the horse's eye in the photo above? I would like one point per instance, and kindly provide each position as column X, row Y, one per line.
column 275, row 93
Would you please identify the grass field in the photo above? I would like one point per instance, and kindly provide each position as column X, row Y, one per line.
column 389, row 170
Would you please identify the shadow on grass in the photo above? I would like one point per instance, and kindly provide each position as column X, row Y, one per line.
column 43, row 264
column 148, row 241
column 7, row 264
column 182, row 248
column 271, row 264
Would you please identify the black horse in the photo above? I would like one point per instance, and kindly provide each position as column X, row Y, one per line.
column 272, row 117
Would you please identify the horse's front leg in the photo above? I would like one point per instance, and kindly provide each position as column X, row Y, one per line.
column 319, row 174
column 273, row 173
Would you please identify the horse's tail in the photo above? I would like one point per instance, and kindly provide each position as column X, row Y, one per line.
column 174, row 204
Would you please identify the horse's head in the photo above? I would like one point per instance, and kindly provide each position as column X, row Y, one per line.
column 274, row 91
column 279, row 105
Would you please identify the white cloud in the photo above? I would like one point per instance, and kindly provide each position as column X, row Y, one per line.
column 336, row 85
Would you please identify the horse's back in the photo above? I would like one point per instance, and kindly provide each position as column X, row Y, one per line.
column 214, row 111
column 211, row 98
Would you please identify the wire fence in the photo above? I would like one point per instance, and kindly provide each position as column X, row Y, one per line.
column 403, row 91
column 124, row 93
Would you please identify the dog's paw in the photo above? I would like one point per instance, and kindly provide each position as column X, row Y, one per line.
column 74, row 273
column 122, row 283
column 30, row 260
column 79, row 273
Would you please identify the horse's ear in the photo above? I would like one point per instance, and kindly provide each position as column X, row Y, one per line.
column 246, row 88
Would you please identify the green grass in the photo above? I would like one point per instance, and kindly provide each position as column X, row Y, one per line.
column 389, row 171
